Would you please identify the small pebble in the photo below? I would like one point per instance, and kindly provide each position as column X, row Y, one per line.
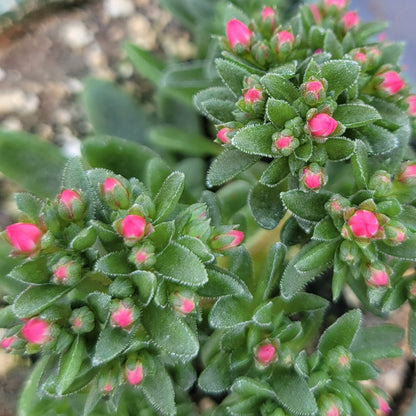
column 76, row 35
column 118, row 8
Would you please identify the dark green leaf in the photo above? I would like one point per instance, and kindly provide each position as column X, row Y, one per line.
column 216, row 377
column 359, row 163
column 229, row 164
column 279, row 112
column 404, row 251
column 35, row 164
column 342, row 332
column 100, row 304
column 379, row 139
column 146, row 284
column 32, row 271
column 251, row 387
column 180, row 265
column 197, row 247
column 29, row 204
column 232, row 74
column 169, row 332
column 113, row 112
column 255, row 140
column 277, row 171
column 332, row 45
column 325, row 230
column 360, row 370
column 340, row 74
column 280, row 88
column 356, row 115
column 229, row 312
column 114, row 264
column 339, row 148
column 168, row 195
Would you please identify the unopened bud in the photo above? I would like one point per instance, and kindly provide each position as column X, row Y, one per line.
column 67, row 271
column 134, row 371
column 82, row 320
column 261, row 52
column 407, row 174
column 265, row 354
column 283, row 42
column 390, row 82
column 395, row 233
column 227, row 240
column 238, row 35
column 132, row 228
column 7, row 342
column 143, row 256
column 37, row 331
column 25, row 238
column 411, row 101
column 124, row 314
column 284, row 142
column 222, row 135
column 381, row 183
column 314, row 91
column 377, row 276
column 183, row 301
column 350, row 20
column 313, row 177
column 115, row 194
column 321, row 126
column 70, row 205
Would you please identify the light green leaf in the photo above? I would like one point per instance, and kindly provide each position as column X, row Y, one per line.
column 340, row 74
column 356, row 115
column 279, row 112
column 255, row 140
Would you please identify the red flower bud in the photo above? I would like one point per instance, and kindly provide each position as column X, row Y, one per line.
column 363, row 224
column 7, row 342
column 70, row 205
column 238, row 35
column 24, row 237
column 360, row 57
column 350, row 20
column 408, row 174
column 267, row 13
column 391, row 82
column 313, row 177
column 412, row 105
column 36, row 331
column 222, row 135
column 134, row 372
column 383, row 408
column 115, row 194
column 284, row 143
column 253, row 95
column 284, row 41
column 265, row 354
column 322, row 125
column 133, row 227
column 377, row 276
column 123, row 315
column 227, row 240
column 183, row 302
column 66, row 271
column 313, row 92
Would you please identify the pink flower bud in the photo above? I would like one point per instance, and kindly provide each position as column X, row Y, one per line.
column 285, row 40
column 267, row 12
column 7, row 342
column 222, row 135
column 143, row 255
column 316, row 13
column 183, row 302
column 252, row 95
column 333, row 411
column 382, row 37
column 284, row 142
column 391, row 82
column 123, row 316
column 82, row 320
column 66, row 271
column 265, row 354
column 322, row 125
column 395, row 232
column 408, row 173
column 70, row 205
column 227, row 240
column 350, row 20
column 107, row 388
column 133, row 227
column 116, row 195
column 238, row 35
column 412, row 105
column 25, row 238
column 134, row 372
column 383, row 406
column 36, row 331
column 313, row 91
column 360, row 57
column 377, row 276
column 340, row 4
column 313, row 177
column 363, row 224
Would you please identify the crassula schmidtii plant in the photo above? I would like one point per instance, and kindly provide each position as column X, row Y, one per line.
column 140, row 302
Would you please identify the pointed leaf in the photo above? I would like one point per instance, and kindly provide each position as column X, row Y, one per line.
column 276, row 172
column 229, row 312
column 279, row 112
column 325, row 230
column 356, row 115
column 404, row 251
column 359, row 163
column 232, row 74
column 33, row 271
column 216, row 377
column 280, row 88
column 255, row 140
column 339, row 148
column 114, row 264
column 168, row 195
column 332, row 71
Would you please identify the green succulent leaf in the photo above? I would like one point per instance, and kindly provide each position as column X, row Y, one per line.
column 255, row 140
column 280, row 88
column 146, row 283
column 276, row 172
column 379, row 139
column 325, row 230
column 232, row 74
column 332, row 45
column 33, row 271
column 356, row 115
column 279, row 112
column 340, row 74
column 229, row 312
column 359, row 163
column 216, row 377
column 114, row 264
column 404, row 251
column 29, row 204
column 339, row 148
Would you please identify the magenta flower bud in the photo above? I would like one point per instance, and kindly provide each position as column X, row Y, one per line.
column 7, row 343
column 267, row 13
column 265, row 354
column 82, row 320
column 360, row 57
column 133, row 228
column 313, row 92
column 350, row 20
column 143, row 256
column 222, row 135
column 337, row 205
column 115, row 194
column 134, row 371
column 238, row 35
column 321, row 126
column 330, row 405
column 123, row 314
column 24, row 237
column 70, row 205
column 381, row 183
column 363, row 224
column 313, row 177
column 339, row 4
column 395, row 233
column 284, row 142
column 227, row 240
column 383, row 407
column 253, row 95
column 283, row 41
column 268, row 21
column 391, row 83
column 67, row 271
column 37, row 331
column 183, row 302
column 407, row 174
column 412, row 105
column 316, row 13
column 377, row 276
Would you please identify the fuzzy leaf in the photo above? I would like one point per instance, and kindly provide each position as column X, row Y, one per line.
column 342, row 332
column 197, row 247
column 170, row 333
column 100, row 304
column 32, row 271
column 228, row 165
column 276, row 172
column 309, row 206
column 404, row 251
column 309, row 262
column 339, row 148
column 293, row 393
column 332, row 45
column 280, row 88
column 359, row 163
column 114, row 264
column 360, row 370
column 168, row 195
column 162, row 235
column 223, row 283
column 356, row 115
column 232, row 74
column 180, row 265
column 255, row 140
column 216, row 377
column 279, row 112
column 29, row 204
column 146, row 283
column 266, row 206
column 35, row 299
column 158, row 389
column 111, row 343
column 325, row 230
column 251, row 387
column 229, row 312
column 70, row 365
column 218, row 111
column 241, row 264
column 34, row 164
column 379, row 139
column 340, row 74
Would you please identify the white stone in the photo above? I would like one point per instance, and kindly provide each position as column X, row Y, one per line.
column 76, row 35
column 118, row 8
column 16, row 101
